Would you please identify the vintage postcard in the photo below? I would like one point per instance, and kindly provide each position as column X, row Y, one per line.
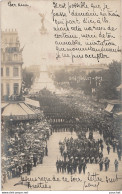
column 61, row 105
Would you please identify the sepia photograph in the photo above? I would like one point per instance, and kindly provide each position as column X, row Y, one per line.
column 61, row 103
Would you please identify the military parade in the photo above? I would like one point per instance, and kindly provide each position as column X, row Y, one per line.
column 56, row 127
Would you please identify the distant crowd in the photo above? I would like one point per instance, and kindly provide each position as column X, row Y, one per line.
column 24, row 147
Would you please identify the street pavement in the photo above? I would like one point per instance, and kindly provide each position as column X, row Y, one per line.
column 45, row 175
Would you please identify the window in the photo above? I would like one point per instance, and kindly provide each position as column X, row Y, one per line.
column 11, row 40
column 2, row 90
column 9, row 57
column 15, row 72
column 16, row 88
column 15, row 57
column 1, row 71
column 7, row 71
column 7, row 89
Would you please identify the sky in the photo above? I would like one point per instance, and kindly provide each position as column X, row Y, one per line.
column 37, row 47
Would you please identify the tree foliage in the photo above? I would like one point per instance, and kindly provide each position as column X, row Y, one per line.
column 28, row 77
column 102, row 84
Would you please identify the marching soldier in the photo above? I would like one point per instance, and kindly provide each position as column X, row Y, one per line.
column 35, row 161
column 60, row 163
column 75, row 166
column 108, row 161
column 119, row 154
column 65, row 166
column 102, row 147
column 106, row 165
column 46, row 151
column 101, row 164
column 114, row 146
column 108, row 149
column 80, row 166
column 57, row 166
column 84, row 167
column 116, row 163
column 62, row 166
column 68, row 167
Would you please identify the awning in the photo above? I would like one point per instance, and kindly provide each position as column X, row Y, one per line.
column 32, row 102
column 18, row 111
column 119, row 87
column 27, row 109
column 3, row 104
column 14, row 110
column 109, row 107
column 118, row 115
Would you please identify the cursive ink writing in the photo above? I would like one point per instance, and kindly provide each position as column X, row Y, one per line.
column 85, row 30
column 10, row 4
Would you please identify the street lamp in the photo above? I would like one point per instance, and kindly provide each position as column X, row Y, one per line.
column 11, row 120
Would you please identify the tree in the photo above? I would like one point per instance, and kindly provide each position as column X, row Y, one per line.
column 103, row 83
column 28, row 77
column 111, row 79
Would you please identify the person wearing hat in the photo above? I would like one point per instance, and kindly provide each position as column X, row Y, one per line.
column 91, row 160
column 35, row 160
column 65, row 155
column 87, row 159
column 100, row 154
column 62, row 166
column 61, row 150
column 106, row 164
column 65, row 166
column 80, row 165
column 114, row 146
column 116, row 163
column 101, row 164
column 46, row 151
column 119, row 154
column 108, row 149
column 13, row 171
column 4, row 177
column 108, row 161
column 84, row 167
column 96, row 159
column 57, row 166
column 75, row 166
column 19, row 168
column 28, row 168
column 101, row 145
column 68, row 167
column 71, row 167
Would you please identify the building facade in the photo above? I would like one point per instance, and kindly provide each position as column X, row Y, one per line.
column 11, row 64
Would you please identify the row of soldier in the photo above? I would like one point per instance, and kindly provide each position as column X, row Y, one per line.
column 91, row 150
column 70, row 166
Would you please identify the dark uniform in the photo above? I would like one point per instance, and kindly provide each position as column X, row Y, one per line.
column 57, row 166
column 75, row 166
column 106, row 165
column 116, row 163
column 65, row 166
column 80, row 166
column 28, row 168
column 84, row 167
column 108, row 149
column 101, row 165
column 46, row 151
column 35, row 161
